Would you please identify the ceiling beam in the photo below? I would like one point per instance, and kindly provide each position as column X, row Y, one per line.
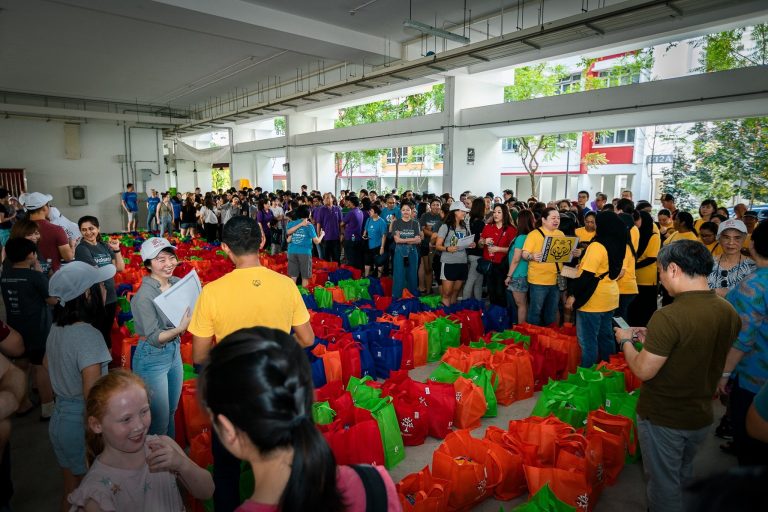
column 271, row 19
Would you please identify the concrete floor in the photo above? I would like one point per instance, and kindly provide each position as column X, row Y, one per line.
column 38, row 480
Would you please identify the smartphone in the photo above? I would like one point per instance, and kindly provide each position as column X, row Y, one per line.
column 620, row 322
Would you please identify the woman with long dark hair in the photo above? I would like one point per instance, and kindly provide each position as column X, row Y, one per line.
column 473, row 288
column 517, row 275
column 94, row 251
column 596, row 292
column 496, row 239
column 209, row 220
column 188, row 217
column 646, row 273
column 257, row 386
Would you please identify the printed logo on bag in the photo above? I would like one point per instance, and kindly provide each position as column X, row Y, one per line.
column 600, row 472
column 458, row 396
column 481, row 486
column 583, row 501
column 407, row 423
column 423, row 401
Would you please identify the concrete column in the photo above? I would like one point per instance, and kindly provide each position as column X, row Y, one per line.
column 301, row 160
column 463, row 92
column 325, row 172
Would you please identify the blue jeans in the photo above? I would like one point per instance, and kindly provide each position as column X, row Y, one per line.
column 163, row 373
column 595, row 334
column 166, row 225
column 66, row 432
column 405, row 277
column 152, row 220
column 542, row 308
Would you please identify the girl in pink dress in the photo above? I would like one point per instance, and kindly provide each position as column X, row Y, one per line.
column 129, row 470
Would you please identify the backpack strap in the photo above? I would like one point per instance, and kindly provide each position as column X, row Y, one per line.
column 375, row 491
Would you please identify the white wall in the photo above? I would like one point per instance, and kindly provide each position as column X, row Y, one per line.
column 38, row 147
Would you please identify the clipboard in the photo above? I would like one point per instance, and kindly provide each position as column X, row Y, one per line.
column 558, row 249
column 174, row 301
column 464, row 243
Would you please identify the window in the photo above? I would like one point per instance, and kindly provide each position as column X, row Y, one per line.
column 509, row 144
column 569, row 84
column 392, row 155
column 626, row 137
column 416, row 158
column 609, row 78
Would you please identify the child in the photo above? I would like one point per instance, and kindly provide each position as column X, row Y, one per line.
column 130, row 470
column 25, row 294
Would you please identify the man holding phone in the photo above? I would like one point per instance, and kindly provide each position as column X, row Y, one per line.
column 681, row 362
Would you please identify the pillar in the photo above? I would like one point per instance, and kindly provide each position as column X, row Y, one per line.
column 458, row 175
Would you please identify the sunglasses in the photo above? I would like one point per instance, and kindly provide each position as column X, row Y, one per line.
column 724, row 280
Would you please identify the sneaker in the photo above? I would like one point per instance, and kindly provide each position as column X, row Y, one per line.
column 724, row 430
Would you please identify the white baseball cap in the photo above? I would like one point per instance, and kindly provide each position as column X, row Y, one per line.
column 152, row 247
column 34, row 200
column 458, row 205
column 74, row 278
column 731, row 224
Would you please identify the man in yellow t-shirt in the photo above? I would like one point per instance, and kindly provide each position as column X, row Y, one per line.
column 250, row 295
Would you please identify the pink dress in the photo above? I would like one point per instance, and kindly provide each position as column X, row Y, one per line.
column 129, row 490
column 352, row 493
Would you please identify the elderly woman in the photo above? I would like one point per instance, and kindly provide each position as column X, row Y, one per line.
column 731, row 266
column 747, row 361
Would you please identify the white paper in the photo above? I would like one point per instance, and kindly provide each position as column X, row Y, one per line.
column 174, row 301
column 465, row 242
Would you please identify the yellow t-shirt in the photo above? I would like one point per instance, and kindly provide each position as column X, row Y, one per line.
column 606, row 296
column 715, row 248
column 649, row 276
column 543, row 274
column 584, row 235
column 747, row 239
column 677, row 236
column 628, row 282
column 248, row 297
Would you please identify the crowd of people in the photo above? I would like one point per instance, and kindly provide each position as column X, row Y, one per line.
column 112, row 430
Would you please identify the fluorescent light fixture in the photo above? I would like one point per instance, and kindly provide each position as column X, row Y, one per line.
column 433, row 31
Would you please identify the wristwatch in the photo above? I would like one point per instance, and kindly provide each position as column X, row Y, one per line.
column 622, row 342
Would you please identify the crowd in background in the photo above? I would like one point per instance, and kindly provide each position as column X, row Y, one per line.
column 60, row 304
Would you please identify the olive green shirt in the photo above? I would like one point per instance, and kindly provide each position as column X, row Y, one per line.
column 694, row 333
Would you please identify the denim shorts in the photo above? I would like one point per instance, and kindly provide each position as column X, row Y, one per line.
column 67, row 433
column 519, row 284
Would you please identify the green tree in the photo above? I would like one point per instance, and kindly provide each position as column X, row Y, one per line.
column 535, row 82
column 387, row 110
column 731, row 157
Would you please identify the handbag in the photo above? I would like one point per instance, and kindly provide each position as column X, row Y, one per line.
column 484, row 266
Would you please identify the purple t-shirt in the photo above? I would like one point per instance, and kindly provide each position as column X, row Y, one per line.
column 329, row 220
column 353, row 224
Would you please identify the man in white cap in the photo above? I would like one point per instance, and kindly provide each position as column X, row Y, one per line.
column 54, row 243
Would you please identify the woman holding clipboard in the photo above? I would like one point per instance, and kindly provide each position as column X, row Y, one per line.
column 158, row 356
column 453, row 257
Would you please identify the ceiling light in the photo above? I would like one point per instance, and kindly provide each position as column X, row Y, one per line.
column 433, row 31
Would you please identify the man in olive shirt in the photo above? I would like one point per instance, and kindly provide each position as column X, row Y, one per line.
column 684, row 350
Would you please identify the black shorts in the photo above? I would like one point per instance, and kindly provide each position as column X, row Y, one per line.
column 454, row 271
column 369, row 257
column 424, row 250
